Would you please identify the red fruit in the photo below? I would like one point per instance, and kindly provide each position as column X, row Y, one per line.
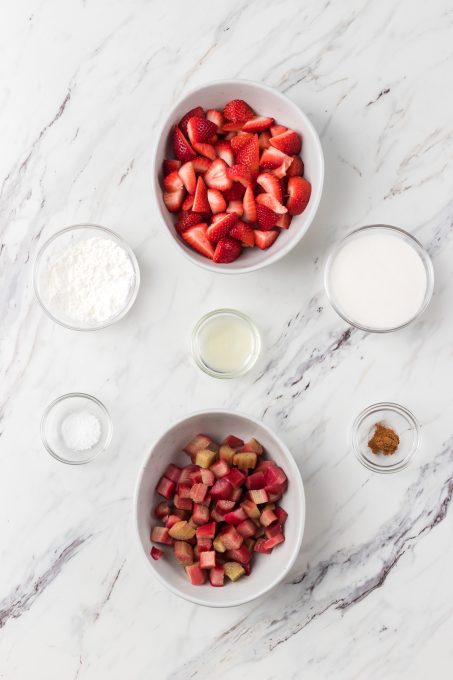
column 272, row 203
column 237, row 191
column 273, row 158
column 240, row 173
column 284, row 221
column 181, row 147
column 200, row 201
column 170, row 165
column 207, row 530
column 232, row 441
column 241, row 554
column 173, row 472
column 240, row 140
column 231, row 129
column 227, row 250
column 196, row 237
column 282, row 515
column 220, row 468
column 216, row 176
column 236, row 207
column 216, row 201
column 235, row 516
column 236, row 477
column 263, row 140
column 231, row 539
column 264, row 239
column 196, row 575
column 257, row 124
column 200, row 514
column 174, row 199
column 187, row 175
column 237, row 110
column 271, row 185
column 246, row 528
column 216, row 117
column 244, row 233
column 222, row 490
column 277, row 130
column 188, row 202
column 207, row 559
column 221, row 227
column 289, row 142
column 270, row 543
column 256, row 480
column 187, row 219
column 296, row 167
column 156, row 553
column 225, row 152
column 216, row 576
column 160, row 535
column 201, row 164
column 299, row 191
column 200, row 129
column 165, row 487
column 218, row 216
column 205, row 150
column 249, row 206
column 249, row 154
column 197, row 111
column 266, row 218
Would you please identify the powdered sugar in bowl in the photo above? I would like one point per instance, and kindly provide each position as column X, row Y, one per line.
column 86, row 277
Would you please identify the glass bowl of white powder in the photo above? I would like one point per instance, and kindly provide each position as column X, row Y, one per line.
column 86, row 277
column 75, row 428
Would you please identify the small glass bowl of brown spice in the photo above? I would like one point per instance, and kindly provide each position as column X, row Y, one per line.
column 385, row 436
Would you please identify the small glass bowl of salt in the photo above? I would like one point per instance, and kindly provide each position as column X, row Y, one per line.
column 75, row 428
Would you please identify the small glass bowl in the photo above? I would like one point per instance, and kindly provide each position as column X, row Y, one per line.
column 197, row 350
column 53, row 418
column 399, row 233
column 402, row 421
column 61, row 240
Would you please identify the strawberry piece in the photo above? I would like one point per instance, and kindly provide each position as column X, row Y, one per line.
column 271, row 185
column 156, row 553
column 200, row 201
column 221, row 227
column 231, row 129
column 196, row 575
column 296, row 167
column 207, row 559
column 266, row 218
column 196, row 238
column 257, row 124
column 299, row 191
column 173, row 472
column 200, row 130
column 165, row 487
column 220, row 468
column 222, row 490
column 232, row 441
column 256, row 480
column 197, row 111
column 237, row 110
column 216, row 577
column 181, row 147
column 284, row 221
column 263, row 140
column 207, row 530
column 187, row 204
column 236, row 207
column 277, row 130
column 235, row 516
column 249, row 206
column 161, row 535
column 227, row 250
column 240, row 173
column 216, row 176
column 174, row 199
column 216, row 201
column 201, row 164
column 249, row 154
column 237, row 191
column 218, row 216
column 240, row 140
column 288, row 142
column 169, row 166
column 264, row 239
column 205, row 150
column 271, row 159
column 246, row 528
column 225, row 152
column 187, row 176
column 187, row 219
column 244, row 233
column 269, row 201
column 216, row 117
column 270, row 543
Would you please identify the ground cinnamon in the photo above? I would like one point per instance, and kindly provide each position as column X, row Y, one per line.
column 384, row 440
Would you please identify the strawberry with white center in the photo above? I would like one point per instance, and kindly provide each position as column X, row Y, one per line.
column 173, row 199
column 236, row 206
column 187, row 174
column 201, row 164
column 196, row 238
column 296, row 167
column 244, row 233
column 249, row 205
column 264, row 239
column 289, row 142
column 237, row 110
column 205, row 149
column 227, row 250
column 173, row 181
column 299, row 191
column 271, row 202
column 170, row 165
column 200, row 202
column 225, row 152
column 221, row 227
column 271, row 185
column 240, row 173
column 216, row 201
column 257, row 124
column 200, row 130
column 197, row 111
column 216, row 117
column 216, row 176
column 181, row 147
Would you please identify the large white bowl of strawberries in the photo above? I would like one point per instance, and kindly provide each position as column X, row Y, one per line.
column 238, row 175
column 220, row 509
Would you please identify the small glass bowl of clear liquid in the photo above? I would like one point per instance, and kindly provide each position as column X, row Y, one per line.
column 225, row 343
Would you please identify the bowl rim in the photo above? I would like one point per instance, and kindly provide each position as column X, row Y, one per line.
column 296, row 478
column 313, row 208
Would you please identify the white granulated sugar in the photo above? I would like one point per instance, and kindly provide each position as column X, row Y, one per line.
column 81, row 430
column 90, row 281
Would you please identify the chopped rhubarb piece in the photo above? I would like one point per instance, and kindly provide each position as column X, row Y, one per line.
column 216, row 515
column 156, row 553
column 236, row 477
column 216, row 576
column 198, row 492
column 236, row 495
column 224, row 506
column 207, row 477
column 195, row 475
column 250, row 543
column 233, row 570
column 218, row 545
column 235, row 516
column 200, row 514
column 160, row 535
column 196, row 575
column 260, row 531
column 173, row 472
column 161, row 510
column 241, row 555
column 270, row 543
column 273, row 530
column 246, row 528
column 258, row 496
column 171, row 521
column 254, row 446
column 274, row 475
column 198, row 443
column 251, row 509
column 256, row 481
column 222, row 489
column 267, row 517
column 282, row 515
column 182, row 503
column 226, row 453
column 186, row 474
column 205, row 458
column 165, row 487
column 231, row 539
column 220, row 468
column 207, row 530
column 207, row 559
column 245, row 461
column 207, row 499
column 260, row 546
column 183, row 552
column 182, row 531
column 184, row 490
column 203, row 544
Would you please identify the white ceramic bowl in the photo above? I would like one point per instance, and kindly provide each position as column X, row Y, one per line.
column 268, row 570
column 268, row 102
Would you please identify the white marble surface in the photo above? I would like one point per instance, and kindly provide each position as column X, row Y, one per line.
column 83, row 86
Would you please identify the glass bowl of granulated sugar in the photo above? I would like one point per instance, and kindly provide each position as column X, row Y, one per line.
column 86, row 277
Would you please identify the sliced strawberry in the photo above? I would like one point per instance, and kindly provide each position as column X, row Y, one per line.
column 201, row 164
column 236, row 207
column 239, row 140
column 271, row 185
column 263, row 140
column 197, row 239
column 257, row 124
column 187, row 174
column 216, row 117
column 280, row 172
column 289, row 142
column 173, row 181
column 272, row 158
column 240, row 173
column 231, row 128
column 197, row 111
column 264, row 239
column 221, row 227
column 299, row 191
column 266, row 218
column 187, row 219
column 238, row 110
column 244, row 233
column 173, row 199
column 249, row 206
column 249, row 154
column 296, row 167
column 284, row 221
column 271, row 202
column 216, row 176
column 200, row 201
column 205, row 150
column 188, row 202
column 169, row 165
column 216, row 201
column 181, row 147
column 200, row 129
column 236, row 191
column 227, row 250
column 277, row 130
column 225, row 152
column 216, row 218
column 228, row 136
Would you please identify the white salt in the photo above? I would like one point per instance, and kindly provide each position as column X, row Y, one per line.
column 81, row 430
